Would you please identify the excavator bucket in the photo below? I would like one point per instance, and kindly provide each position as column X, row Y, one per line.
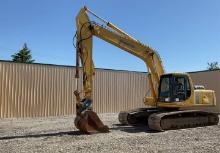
column 89, row 122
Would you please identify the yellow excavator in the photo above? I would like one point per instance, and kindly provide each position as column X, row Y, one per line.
column 171, row 97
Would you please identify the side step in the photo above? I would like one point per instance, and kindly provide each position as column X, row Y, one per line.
column 161, row 121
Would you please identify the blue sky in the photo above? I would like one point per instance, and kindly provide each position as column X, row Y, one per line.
column 186, row 33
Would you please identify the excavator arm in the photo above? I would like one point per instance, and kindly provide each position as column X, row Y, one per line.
column 86, row 29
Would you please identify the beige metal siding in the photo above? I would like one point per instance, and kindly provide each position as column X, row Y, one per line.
column 118, row 90
column 34, row 90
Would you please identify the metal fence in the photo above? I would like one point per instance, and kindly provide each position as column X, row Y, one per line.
column 39, row 90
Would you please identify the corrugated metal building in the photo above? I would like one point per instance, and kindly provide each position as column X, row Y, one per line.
column 38, row 90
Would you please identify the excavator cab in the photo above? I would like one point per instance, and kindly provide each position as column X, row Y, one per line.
column 174, row 88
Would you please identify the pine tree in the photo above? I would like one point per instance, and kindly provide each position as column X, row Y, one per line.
column 23, row 56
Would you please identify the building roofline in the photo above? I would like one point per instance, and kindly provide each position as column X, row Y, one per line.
column 69, row 66
column 107, row 69
column 203, row 71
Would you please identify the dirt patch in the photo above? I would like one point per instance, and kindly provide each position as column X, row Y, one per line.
column 58, row 134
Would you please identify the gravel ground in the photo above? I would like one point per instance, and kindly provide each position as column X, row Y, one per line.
column 58, row 134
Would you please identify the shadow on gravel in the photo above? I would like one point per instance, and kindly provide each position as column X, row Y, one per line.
column 132, row 129
column 43, row 135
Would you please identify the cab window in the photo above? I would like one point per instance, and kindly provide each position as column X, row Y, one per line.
column 174, row 88
column 181, row 88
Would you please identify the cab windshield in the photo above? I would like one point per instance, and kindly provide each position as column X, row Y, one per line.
column 174, row 88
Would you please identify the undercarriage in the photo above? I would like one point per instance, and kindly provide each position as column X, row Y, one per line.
column 162, row 119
